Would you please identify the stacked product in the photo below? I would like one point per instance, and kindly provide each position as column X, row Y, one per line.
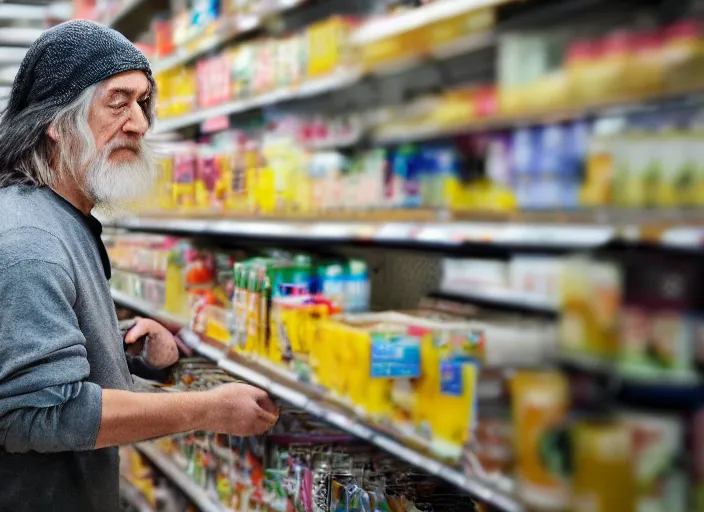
column 271, row 173
column 249, row 70
column 621, row 459
column 639, row 161
column 576, row 68
column 302, row 465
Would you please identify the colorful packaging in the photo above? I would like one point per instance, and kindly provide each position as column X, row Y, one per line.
column 540, row 405
column 603, row 475
column 184, row 175
column 657, row 447
column 591, row 305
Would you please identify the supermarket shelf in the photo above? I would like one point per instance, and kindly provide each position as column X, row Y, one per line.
column 389, row 26
column 307, row 89
column 428, row 230
column 184, row 55
column 144, row 307
column 396, row 133
column 194, row 492
column 133, row 496
column 227, row 30
column 661, row 391
column 409, row 233
column 507, row 298
column 285, row 389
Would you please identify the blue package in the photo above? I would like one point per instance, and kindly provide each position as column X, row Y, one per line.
column 395, row 356
column 405, row 167
column 451, row 377
column 553, row 159
column 574, row 162
column 525, row 165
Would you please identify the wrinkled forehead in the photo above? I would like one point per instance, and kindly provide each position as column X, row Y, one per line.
column 133, row 84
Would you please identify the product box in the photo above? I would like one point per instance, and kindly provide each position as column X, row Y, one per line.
column 603, row 478
column 657, row 443
column 661, row 318
column 184, row 175
column 412, row 372
column 525, row 145
column 591, row 301
column 540, row 406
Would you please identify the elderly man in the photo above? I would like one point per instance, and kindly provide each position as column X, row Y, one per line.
column 71, row 139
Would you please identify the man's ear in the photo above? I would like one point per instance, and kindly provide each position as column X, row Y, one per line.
column 51, row 132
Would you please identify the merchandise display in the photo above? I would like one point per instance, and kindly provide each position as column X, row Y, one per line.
column 458, row 241
column 280, row 472
column 279, row 172
column 421, row 375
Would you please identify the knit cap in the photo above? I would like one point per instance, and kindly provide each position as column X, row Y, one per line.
column 68, row 58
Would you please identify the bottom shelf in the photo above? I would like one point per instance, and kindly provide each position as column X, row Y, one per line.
column 195, row 493
column 133, row 496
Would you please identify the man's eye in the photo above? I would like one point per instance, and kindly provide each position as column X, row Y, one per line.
column 118, row 106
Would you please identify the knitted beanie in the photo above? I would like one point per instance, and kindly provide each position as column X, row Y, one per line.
column 68, row 58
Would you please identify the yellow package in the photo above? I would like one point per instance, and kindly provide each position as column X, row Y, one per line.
column 540, row 403
column 445, row 392
column 689, row 181
column 320, row 354
column 216, row 325
column 342, row 361
column 603, row 478
column 331, row 356
column 184, row 91
column 184, row 177
column 176, row 296
column 697, row 149
column 410, row 45
column 327, row 46
column 597, row 188
column 452, row 29
column 454, row 414
column 294, row 329
column 285, row 320
column 591, row 301
column 164, row 184
column 165, row 96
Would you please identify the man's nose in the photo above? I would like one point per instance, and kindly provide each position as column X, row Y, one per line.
column 137, row 123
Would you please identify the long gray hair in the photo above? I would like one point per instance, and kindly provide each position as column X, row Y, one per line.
column 28, row 156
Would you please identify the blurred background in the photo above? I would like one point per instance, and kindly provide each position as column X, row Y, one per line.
column 460, row 240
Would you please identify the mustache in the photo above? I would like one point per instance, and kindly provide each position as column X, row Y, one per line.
column 136, row 147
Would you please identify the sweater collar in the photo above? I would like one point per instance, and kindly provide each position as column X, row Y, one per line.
column 94, row 226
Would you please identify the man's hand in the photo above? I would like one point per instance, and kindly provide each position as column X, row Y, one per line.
column 234, row 409
column 161, row 349
column 241, row 410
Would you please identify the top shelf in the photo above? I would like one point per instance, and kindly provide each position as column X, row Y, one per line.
column 390, row 26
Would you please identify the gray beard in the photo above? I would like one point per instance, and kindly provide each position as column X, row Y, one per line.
column 113, row 186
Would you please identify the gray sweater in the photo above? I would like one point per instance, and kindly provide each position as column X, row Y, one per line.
column 59, row 346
